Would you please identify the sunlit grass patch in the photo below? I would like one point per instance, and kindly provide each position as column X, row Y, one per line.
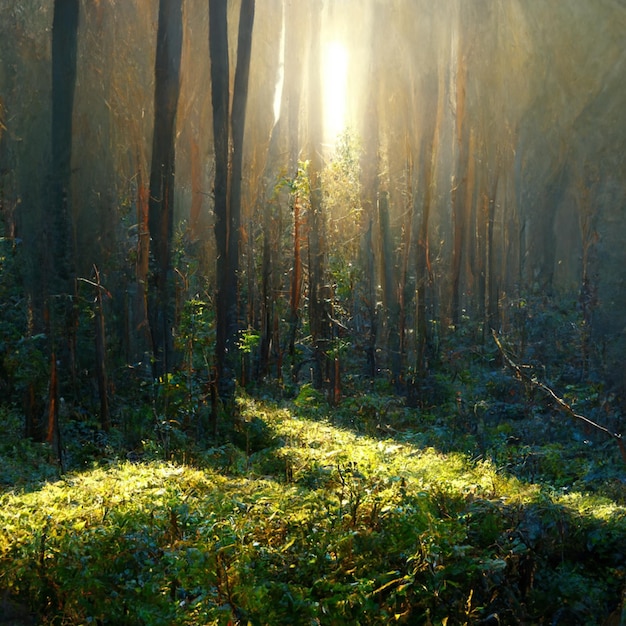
column 322, row 526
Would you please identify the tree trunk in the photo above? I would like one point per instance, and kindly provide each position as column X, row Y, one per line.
column 100, row 345
column 161, row 201
column 227, row 188
column 404, row 293
column 320, row 331
column 220, row 97
column 64, row 42
column 424, row 270
column 458, row 197
column 493, row 277
column 296, row 283
column 391, row 301
column 56, row 278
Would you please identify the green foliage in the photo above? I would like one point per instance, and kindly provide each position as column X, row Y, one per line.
column 248, row 340
column 341, row 181
column 300, row 185
column 316, row 524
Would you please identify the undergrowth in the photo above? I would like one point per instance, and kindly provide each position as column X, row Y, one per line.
column 307, row 521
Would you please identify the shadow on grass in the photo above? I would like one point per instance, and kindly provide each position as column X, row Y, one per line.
column 308, row 519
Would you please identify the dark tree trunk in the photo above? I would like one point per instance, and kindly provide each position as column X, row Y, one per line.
column 100, row 345
column 404, row 292
column 493, row 276
column 238, row 124
column 227, row 188
column 390, row 286
column 161, row 201
column 296, row 283
column 370, row 273
column 56, row 273
column 423, row 267
column 458, row 196
column 64, row 43
column 220, row 98
column 267, row 301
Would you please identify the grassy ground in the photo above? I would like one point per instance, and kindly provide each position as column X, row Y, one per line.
column 308, row 521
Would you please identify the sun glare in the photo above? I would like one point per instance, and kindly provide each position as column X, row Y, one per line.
column 278, row 90
column 335, row 78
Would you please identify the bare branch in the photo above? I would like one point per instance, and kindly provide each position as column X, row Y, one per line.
column 522, row 373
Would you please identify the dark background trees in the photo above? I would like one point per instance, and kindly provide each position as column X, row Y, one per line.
column 490, row 170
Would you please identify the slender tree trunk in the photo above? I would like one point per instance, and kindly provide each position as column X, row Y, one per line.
column 267, row 302
column 161, row 201
column 404, row 295
column 64, row 44
column 139, row 318
column 469, row 231
column 100, row 344
column 493, row 276
column 458, row 196
column 218, row 47
column 370, row 169
column 296, row 283
column 320, row 331
column 53, row 436
column 424, row 270
column 391, row 301
column 370, row 272
column 238, row 123
column 57, row 280
column 227, row 188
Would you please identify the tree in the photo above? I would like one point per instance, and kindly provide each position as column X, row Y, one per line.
column 56, row 281
column 318, row 298
column 161, row 201
column 228, row 174
column 64, row 41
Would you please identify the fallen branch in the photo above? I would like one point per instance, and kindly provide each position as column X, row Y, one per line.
column 522, row 373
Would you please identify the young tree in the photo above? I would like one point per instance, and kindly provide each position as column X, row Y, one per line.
column 161, row 201
column 228, row 174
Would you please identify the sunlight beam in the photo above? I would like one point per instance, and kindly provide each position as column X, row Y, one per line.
column 335, row 76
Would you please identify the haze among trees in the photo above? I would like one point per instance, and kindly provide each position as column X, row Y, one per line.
column 401, row 217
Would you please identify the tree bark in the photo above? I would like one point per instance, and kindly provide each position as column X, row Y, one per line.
column 64, row 43
column 228, row 175
column 220, row 98
column 100, row 345
column 161, row 201
column 320, row 331
column 390, row 285
column 56, row 274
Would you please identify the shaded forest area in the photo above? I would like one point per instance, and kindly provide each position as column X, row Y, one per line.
column 401, row 218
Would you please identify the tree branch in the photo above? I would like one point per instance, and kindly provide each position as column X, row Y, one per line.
column 523, row 375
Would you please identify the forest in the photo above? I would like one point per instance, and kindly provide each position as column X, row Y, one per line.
column 312, row 312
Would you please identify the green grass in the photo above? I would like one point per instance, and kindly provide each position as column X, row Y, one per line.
column 308, row 523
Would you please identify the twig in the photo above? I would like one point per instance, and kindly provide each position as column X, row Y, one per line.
column 524, row 376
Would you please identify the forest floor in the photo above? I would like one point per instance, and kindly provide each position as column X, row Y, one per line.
column 370, row 512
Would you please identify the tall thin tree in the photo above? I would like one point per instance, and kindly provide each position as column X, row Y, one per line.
column 56, row 272
column 228, row 175
column 318, row 313
column 161, row 201
column 64, row 44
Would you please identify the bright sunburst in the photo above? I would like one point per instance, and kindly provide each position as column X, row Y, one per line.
column 335, row 78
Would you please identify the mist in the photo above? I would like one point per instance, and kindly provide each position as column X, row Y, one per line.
column 496, row 129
